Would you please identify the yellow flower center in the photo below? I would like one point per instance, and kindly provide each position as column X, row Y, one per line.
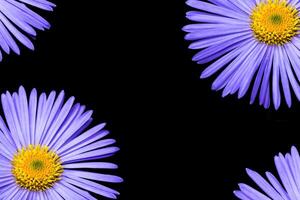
column 275, row 22
column 36, row 168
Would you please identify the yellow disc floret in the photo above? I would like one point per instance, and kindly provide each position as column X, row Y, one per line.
column 36, row 168
column 275, row 22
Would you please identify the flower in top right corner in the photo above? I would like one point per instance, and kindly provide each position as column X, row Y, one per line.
column 249, row 42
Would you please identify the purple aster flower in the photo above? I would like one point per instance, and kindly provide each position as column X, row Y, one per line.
column 287, row 188
column 45, row 148
column 248, row 41
column 17, row 20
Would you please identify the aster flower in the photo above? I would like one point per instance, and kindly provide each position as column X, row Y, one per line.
column 288, row 168
column 17, row 20
column 45, row 149
column 248, row 41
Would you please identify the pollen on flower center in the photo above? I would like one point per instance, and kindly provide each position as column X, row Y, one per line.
column 275, row 22
column 36, row 168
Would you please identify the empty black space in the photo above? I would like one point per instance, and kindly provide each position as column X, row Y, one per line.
column 85, row 53
column 220, row 137
column 128, row 62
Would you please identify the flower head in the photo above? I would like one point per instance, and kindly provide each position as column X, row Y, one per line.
column 18, row 21
column 45, row 149
column 287, row 188
column 252, row 43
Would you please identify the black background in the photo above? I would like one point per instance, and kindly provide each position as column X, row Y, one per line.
column 84, row 54
column 129, row 63
column 224, row 135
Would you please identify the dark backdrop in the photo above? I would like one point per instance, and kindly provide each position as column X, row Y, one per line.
column 223, row 135
column 84, row 54
column 129, row 63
